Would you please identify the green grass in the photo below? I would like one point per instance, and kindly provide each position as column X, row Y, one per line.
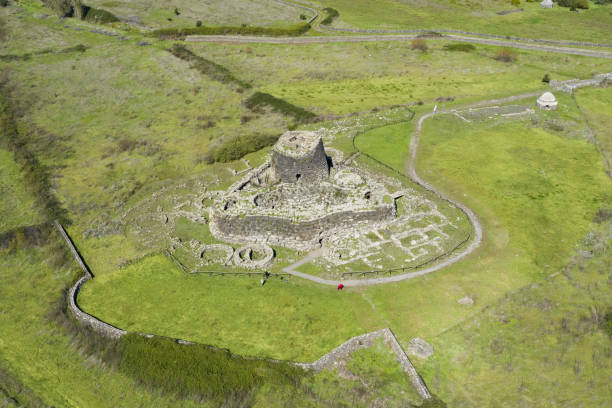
column 595, row 104
column 342, row 78
column 389, row 144
column 476, row 16
column 545, row 343
column 279, row 317
column 36, row 351
column 118, row 122
column 17, row 206
column 235, row 12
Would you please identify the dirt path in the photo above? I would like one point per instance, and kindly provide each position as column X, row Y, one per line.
column 239, row 39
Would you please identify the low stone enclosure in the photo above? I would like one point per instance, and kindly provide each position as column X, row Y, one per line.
column 342, row 351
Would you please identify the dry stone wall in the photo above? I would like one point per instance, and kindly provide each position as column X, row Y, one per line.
column 364, row 341
column 310, row 167
column 84, row 318
column 284, row 232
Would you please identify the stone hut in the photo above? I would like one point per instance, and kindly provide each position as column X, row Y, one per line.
column 547, row 4
column 300, row 155
column 547, row 101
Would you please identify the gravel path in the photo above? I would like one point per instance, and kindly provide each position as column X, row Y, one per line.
column 239, row 39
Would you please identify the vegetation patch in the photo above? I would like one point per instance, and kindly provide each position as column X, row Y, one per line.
column 260, row 99
column 332, row 14
column 98, row 16
column 291, row 31
column 199, row 370
column 463, row 47
column 206, row 67
column 236, row 147
column 36, row 175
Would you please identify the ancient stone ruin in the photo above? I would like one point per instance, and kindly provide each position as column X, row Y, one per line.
column 298, row 198
column 300, row 156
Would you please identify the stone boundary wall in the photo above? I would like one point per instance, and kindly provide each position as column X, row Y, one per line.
column 302, row 236
column 501, row 37
column 571, row 84
column 365, row 341
column 95, row 324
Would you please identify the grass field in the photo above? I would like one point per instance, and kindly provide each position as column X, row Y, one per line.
column 233, row 12
column 119, row 122
column 476, row 16
column 343, row 78
column 17, row 207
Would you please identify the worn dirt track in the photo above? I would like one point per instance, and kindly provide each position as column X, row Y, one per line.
column 239, row 39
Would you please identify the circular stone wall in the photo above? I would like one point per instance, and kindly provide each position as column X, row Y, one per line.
column 243, row 256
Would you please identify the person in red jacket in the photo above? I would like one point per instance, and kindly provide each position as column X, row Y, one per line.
column 340, row 286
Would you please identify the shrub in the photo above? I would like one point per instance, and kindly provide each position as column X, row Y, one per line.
column 177, row 12
column 292, row 31
column 574, row 4
column 419, row 44
column 259, row 99
column 206, row 67
column 200, row 371
column 303, row 17
column 546, row 78
column 238, row 146
column 4, row 3
column 99, row 16
column 463, row 47
column 505, row 55
column 516, row 2
column 332, row 14
column 199, row 23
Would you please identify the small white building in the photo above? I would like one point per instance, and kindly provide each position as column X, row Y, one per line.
column 547, row 101
column 547, row 4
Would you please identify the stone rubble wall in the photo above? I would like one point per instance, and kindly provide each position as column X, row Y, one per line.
column 311, row 167
column 284, row 232
column 570, row 85
column 95, row 324
column 364, row 341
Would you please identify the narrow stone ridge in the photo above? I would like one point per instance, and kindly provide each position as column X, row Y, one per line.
column 364, row 341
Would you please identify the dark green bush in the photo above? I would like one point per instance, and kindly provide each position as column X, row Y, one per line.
column 259, row 100
column 206, row 67
column 200, row 371
column 292, row 31
column 4, row 3
column 237, row 147
column 459, row 47
column 574, row 4
column 332, row 14
column 199, row 23
column 546, row 78
column 99, row 16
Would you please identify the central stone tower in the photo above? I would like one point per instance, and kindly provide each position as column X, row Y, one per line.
column 300, row 156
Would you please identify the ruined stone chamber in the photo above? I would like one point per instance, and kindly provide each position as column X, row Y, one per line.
column 297, row 200
column 300, row 156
